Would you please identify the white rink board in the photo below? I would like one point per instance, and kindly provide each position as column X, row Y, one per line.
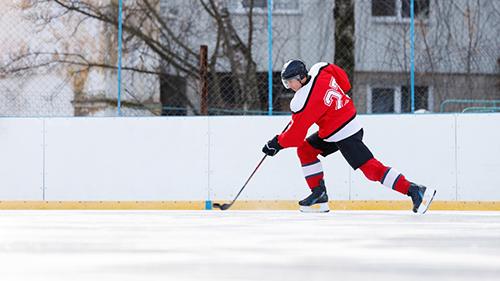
column 478, row 153
column 421, row 147
column 21, row 159
column 200, row 158
column 126, row 159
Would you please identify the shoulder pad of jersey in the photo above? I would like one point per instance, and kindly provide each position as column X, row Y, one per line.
column 301, row 96
column 315, row 68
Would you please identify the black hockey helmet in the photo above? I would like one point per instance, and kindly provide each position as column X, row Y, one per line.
column 293, row 69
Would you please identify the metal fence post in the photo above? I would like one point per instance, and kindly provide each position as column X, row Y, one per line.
column 204, row 79
column 412, row 54
column 270, row 55
column 120, row 18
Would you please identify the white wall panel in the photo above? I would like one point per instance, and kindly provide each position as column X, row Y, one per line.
column 126, row 159
column 478, row 154
column 21, row 159
column 170, row 158
column 421, row 147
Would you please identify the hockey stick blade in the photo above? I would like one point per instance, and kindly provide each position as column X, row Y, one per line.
column 221, row 206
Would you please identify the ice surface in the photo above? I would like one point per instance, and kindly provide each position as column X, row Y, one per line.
column 248, row 245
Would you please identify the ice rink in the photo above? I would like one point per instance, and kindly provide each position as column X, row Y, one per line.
column 248, row 245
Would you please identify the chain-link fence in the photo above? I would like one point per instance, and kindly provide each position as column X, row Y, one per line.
column 60, row 57
column 456, row 55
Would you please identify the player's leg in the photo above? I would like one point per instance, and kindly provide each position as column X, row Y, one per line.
column 388, row 176
column 313, row 171
column 310, row 163
column 421, row 196
column 359, row 156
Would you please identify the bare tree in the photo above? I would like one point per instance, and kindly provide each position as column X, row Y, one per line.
column 154, row 44
column 237, row 50
column 344, row 35
column 460, row 39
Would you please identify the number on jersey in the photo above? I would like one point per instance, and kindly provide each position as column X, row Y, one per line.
column 334, row 95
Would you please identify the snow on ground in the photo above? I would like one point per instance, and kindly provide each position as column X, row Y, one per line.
column 248, row 245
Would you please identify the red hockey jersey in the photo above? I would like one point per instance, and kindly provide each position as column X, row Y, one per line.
column 322, row 101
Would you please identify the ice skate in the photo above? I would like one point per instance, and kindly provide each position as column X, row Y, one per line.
column 317, row 202
column 421, row 196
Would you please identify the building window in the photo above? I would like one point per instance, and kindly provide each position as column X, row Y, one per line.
column 421, row 8
column 421, row 98
column 399, row 9
column 260, row 6
column 397, row 99
column 223, row 90
column 173, row 95
column 382, row 100
column 384, row 8
column 286, row 5
column 256, row 4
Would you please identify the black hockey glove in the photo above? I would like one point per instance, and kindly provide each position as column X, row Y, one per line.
column 272, row 147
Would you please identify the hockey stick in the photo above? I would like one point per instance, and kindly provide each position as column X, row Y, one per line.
column 226, row 206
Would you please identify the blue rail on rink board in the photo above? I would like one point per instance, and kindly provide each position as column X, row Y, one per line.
column 412, row 55
column 208, row 205
column 270, row 56
column 120, row 32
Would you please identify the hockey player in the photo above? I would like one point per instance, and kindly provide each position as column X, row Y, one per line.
column 320, row 97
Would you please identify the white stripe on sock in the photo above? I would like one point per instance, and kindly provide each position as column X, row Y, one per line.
column 312, row 169
column 390, row 178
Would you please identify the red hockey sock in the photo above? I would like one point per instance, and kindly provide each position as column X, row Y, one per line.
column 373, row 169
column 402, row 185
column 376, row 171
column 311, row 166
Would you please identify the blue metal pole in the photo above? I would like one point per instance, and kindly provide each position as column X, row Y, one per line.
column 412, row 54
column 270, row 55
column 119, row 57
